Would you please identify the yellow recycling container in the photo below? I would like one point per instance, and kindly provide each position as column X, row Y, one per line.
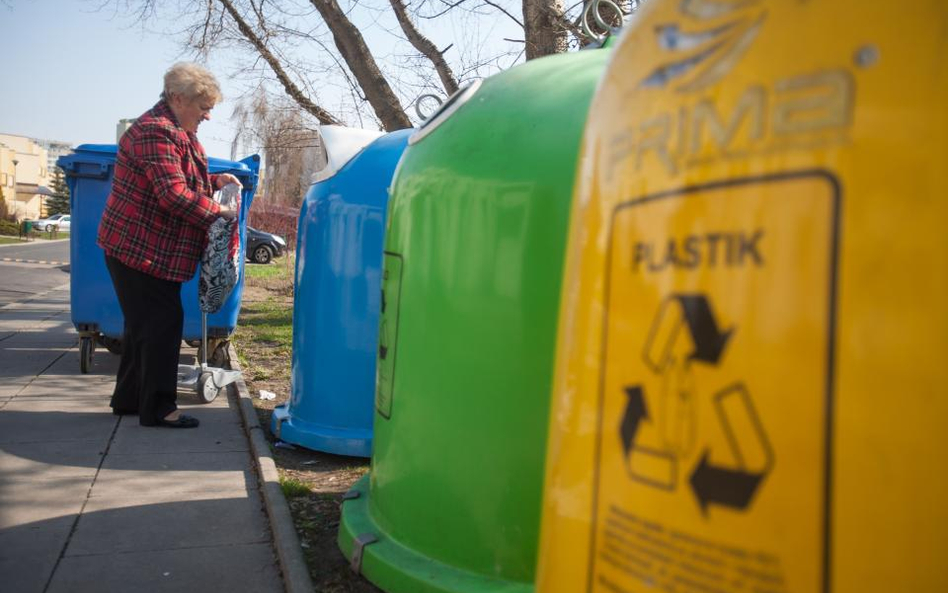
column 751, row 384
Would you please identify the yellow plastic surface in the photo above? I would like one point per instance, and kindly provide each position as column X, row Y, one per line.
column 752, row 383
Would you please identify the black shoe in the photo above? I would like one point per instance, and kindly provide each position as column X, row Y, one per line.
column 183, row 421
column 121, row 412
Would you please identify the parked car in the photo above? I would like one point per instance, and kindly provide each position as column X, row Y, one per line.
column 263, row 247
column 56, row 221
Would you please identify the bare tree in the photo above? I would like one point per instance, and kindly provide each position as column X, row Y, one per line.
column 281, row 35
column 543, row 26
column 317, row 52
column 310, row 63
column 426, row 47
column 361, row 63
column 279, row 128
column 247, row 31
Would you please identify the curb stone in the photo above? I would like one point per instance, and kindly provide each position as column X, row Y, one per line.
column 289, row 553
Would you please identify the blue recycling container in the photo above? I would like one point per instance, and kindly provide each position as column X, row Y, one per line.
column 95, row 308
column 336, row 304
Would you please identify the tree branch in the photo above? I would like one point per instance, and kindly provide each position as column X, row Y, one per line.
column 446, row 10
column 426, row 47
column 361, row 63
column 292, row 90
column 503, row 10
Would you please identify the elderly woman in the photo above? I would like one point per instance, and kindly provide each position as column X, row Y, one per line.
column 153, row 232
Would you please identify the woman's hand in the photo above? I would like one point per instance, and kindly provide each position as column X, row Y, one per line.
column 225, row 179
column 227, row 213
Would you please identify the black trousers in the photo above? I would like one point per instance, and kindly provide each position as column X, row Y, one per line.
column 147, row 380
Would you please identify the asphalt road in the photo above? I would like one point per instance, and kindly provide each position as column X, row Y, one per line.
column 28, row 269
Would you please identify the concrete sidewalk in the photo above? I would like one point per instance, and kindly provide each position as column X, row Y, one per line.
column 94, row 502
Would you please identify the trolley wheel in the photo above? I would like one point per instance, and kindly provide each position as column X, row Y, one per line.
column 218, row 354
column 86, row 348
column 206, row 390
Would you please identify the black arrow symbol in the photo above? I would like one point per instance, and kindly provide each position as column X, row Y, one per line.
column 727, row 487
column 709, row 340
column 635, row 412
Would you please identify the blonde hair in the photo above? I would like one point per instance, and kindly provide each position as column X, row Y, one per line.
column 191, row 81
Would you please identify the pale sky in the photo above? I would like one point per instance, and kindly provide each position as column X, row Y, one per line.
column 70, row 73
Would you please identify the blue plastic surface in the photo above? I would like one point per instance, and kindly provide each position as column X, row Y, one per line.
column 95, row 307
column 336, row 304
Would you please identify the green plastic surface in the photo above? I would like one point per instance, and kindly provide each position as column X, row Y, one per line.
column 474, row 255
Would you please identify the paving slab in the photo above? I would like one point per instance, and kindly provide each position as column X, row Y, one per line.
column 89, row 404
column 18, row 363
column 72, row 386
column 30, row 553
column 110, row 526
column 32, row 395
column 23, row 320
column 51, row 460
column 249, row 568
column 228, row 474
column 25, row 502
column 39, row 422
column 10, row 387
column 91, row 502
column 45, row 332
column 134, row 439
column 217, row 411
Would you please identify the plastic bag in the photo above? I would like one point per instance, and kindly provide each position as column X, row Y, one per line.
column 220, row 264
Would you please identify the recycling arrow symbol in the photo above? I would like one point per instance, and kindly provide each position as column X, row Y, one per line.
column 709, row 340
column 635, row 412
column 680, row 311
column 727, row 486
column 734, row 487
column 720, row 485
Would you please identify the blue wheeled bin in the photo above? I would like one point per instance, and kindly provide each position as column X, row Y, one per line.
column 95, row 308
column 337, row 300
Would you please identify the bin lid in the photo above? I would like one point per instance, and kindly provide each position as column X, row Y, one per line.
column 99, row 153
column 341, row 145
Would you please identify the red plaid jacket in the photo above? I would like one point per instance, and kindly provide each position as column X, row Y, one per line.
column 157, row 215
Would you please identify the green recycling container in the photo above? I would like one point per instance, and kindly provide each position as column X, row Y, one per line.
column 27, row 227
column 470, row 292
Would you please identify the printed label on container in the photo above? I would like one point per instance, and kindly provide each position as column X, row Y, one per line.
column 388, row 333
column 715, row 412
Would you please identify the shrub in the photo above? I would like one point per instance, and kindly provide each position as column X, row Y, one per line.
column 8, row 227
column 279, row 220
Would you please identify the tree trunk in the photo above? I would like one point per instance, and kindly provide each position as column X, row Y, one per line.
column 292, row 90
column 425, row 46
column 360, row 61
column 543, row 31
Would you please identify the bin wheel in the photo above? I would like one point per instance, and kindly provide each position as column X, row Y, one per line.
column 86, row 348
column 206, row 390
column 113, row 345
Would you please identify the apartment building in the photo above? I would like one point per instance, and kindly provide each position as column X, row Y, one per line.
column 24, row 169
column 54, row 150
